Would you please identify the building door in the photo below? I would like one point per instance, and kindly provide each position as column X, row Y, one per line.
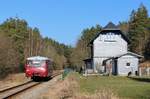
column 115, row 67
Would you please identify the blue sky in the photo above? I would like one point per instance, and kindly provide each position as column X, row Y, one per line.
column 64, row 20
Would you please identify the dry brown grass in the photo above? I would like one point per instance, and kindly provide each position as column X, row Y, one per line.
column 103, row 94
column 69, row 89
column 19, row 77
column 13, row 80
column 63, row 89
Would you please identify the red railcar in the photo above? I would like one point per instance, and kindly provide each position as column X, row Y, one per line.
column 38, row 66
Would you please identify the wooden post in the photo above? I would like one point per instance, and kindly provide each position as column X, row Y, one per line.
column 147, row 70
column 140, row 73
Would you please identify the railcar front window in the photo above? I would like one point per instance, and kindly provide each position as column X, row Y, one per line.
column 36, row 63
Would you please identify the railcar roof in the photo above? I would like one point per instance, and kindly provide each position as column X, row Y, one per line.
column 37, row 58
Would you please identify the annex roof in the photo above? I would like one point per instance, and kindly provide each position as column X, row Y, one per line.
column 88, row 59
column 128, row 53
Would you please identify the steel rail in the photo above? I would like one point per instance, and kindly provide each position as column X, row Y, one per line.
column 1, row 91
column 12, row 91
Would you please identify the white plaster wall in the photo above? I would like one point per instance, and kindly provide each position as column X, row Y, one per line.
column 103, row 50
column 123, row 69
column 109, row 49
column 97, row 63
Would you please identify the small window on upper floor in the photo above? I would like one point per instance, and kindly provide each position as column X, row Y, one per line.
column 128, row 64
column 110, row 37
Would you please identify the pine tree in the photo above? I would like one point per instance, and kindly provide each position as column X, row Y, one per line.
column 138, row 29
column 82, row 51
column 147, row 47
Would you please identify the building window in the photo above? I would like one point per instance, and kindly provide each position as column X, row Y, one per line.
column 110, row 37
column 128, row 64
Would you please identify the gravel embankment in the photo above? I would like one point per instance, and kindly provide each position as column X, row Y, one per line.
column 37, row 91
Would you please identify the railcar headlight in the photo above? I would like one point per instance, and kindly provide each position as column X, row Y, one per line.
column 27, row 70
column 42, row 69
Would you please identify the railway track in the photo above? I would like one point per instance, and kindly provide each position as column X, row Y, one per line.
column 9, row 92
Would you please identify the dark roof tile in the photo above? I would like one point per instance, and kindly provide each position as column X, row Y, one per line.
column 111, row 26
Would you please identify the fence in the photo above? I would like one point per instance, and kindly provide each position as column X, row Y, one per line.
column 144, row 71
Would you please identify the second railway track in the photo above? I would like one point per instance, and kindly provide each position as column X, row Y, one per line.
column 9, row 92
column 17, row 89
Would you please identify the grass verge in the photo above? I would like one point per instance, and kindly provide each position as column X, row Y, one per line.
column 76, row 86
column 121, row 86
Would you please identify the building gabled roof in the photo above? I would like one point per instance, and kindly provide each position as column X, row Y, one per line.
column 110, row 27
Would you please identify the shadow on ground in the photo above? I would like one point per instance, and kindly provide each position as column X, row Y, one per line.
column 39, row 79
column 141, row 79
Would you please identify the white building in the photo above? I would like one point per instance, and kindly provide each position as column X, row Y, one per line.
column 110, row 53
